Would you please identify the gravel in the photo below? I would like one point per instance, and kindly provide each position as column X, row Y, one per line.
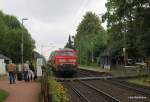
column 119, row 92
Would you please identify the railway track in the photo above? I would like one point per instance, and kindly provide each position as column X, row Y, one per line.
column 105, row 89
column 85, row 75
column 122, row 93
column 92, row 94
column 124, row 84
column 90, row 73
column 139, row 89
column 108, row 97
column 78, row 93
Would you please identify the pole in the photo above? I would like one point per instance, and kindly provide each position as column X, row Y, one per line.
column 80, row 55
column 42, row 49
column 92, row 52
column 22, row 46
column 22, row 60
column 125, row 58
column 124, row 54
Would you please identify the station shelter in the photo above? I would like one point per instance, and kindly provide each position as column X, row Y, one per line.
column 105, row 60
column 3, row 61
column 38, row 60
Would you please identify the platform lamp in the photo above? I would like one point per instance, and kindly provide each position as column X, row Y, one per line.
column 23, row 19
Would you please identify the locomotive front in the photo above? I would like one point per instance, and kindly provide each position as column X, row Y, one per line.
column 65, row 61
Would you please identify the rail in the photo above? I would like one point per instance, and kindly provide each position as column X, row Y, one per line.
column 109, row 97
column 84, row 99
column 128, row 87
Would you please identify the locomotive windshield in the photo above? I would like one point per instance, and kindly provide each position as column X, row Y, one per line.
column 66, row 53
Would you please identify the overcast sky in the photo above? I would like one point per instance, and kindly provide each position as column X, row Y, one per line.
column 51, row 21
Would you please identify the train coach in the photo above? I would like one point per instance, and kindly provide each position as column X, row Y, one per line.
column 64, row 61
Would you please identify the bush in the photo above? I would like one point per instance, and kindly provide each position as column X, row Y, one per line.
column 59, row 93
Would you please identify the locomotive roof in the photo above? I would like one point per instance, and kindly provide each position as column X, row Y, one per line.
column 65, row 49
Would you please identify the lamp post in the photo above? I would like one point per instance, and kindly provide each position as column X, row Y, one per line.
column 124, row 54
column 92, row 52
column 125, row 47
column 23, row 19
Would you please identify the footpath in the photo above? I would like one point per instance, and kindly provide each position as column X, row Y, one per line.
column 119, row 72
column 21, row 91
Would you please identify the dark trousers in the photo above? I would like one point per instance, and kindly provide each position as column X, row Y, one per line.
column 26, row 75
column 12, row 77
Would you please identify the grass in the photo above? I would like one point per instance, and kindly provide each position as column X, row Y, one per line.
column 116, row 72
column 140, row 81
column 3, row 95
column 93, row 67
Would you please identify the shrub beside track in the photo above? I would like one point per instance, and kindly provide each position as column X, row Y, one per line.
column 52, row 91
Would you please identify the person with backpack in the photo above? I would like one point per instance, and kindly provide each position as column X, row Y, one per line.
column 11, row 70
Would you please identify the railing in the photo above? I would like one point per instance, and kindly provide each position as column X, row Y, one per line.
column 45, row 87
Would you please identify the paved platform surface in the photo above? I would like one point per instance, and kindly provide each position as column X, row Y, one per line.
column 21, row 91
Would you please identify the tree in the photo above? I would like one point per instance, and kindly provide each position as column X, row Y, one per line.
column 90, row 38
column 69, row 43
column 10, row 38
column 128, row 26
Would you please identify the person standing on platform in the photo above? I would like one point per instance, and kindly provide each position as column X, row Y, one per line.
column 35, row 71
column 11, row 70
column 26, row 71
column 31, row 71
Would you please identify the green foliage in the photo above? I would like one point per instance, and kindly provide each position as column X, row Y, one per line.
column 128, row 26
column 59, row 93
column 10, row 38
column 69, row 43
column 91, row 38
column 3, row 95
column 140, row 81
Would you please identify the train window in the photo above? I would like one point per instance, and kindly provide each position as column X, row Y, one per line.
column 70, row 53
column 65, row 53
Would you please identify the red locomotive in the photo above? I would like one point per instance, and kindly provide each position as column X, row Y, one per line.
column 64, row 61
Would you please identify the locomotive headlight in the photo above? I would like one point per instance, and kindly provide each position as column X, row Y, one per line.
column 72, row 60
column 62, row 60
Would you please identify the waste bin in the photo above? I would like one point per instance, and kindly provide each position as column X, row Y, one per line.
column 19, row 73
column 19, row 76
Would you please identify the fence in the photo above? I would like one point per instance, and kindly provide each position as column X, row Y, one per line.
column 45, row 87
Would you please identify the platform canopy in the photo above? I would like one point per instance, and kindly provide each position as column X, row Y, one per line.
column 4, row 57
